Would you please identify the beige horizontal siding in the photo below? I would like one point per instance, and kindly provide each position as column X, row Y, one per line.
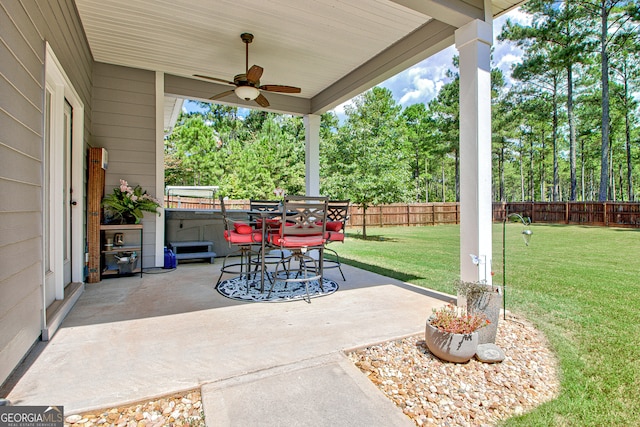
column 24, row 27
column 17, row 165
column 12, row 293
column 124, row 123
column 19, row 226
column 11, row 131
column 21, row 77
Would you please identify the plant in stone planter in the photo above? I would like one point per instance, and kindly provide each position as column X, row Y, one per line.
column 483, row 299
column 452, row 334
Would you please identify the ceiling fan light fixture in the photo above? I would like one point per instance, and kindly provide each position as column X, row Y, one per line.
column 247, row 84
column 248, row 93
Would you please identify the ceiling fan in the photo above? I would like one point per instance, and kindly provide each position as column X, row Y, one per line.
column 248, row 83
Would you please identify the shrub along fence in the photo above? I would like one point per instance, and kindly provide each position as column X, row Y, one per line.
column 610, row 214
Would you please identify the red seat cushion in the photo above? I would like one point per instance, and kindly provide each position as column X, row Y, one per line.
column 334, row 225
column 336, row 236
column 242, row 228
column 297, row 241
column 242, row 239
column 271, row 223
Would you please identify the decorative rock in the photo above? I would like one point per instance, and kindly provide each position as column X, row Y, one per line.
column 407, row 365
column 476, row 394
column 147, row 414
column 72, row 419
column 489, row 353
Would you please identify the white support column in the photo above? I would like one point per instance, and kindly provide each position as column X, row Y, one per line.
column 473, row 41
column 159, row 190
column 312, row 154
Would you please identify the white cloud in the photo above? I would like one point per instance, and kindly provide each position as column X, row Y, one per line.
column 507, row 61
column 516, row 16
column 422, row 82
column 506, row 54
column 339, row 110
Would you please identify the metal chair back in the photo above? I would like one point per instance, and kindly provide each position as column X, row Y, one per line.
column 338, row 210
column 304, row 216
column 228, row 224
column 264, row 205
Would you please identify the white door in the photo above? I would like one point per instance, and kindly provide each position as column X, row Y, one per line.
column 66, row 192
column 57, row 190
column 62, row 170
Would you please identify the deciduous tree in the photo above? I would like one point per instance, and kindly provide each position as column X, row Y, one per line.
column 368, row 163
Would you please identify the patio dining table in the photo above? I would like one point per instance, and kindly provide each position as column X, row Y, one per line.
column 264, row 224
column 264, row 216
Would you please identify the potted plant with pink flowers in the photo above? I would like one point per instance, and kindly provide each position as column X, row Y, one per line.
column 126, row 205
column 452, row 334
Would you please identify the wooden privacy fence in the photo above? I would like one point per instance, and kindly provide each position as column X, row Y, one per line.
column 179, row 202
column 395, row 214
column 411, row 214
column 610, row 214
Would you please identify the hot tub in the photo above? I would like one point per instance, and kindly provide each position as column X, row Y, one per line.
column 184, row 225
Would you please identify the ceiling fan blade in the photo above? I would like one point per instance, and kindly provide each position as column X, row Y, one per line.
column 221, row 95
column 262, row 101
column 280, row 88
column 214, row 79
column 254, row 73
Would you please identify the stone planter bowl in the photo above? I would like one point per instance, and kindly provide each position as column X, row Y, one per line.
column 457, row 348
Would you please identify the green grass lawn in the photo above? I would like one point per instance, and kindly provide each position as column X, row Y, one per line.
column 579, row 285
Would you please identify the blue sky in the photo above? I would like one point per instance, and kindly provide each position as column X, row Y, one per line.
column 422, row 82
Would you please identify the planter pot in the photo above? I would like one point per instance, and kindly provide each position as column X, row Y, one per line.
column 489, row 304
column 117, row 219
column 457, row 348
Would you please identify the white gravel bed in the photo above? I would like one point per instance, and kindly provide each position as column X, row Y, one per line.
column 178, row 409
column 436, row 393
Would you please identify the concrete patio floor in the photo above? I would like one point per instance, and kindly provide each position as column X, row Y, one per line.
column 131, row 339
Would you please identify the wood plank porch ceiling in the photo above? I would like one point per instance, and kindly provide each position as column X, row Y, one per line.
column 332, row 49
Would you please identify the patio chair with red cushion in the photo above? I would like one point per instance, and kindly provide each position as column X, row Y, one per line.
column 337, row 216
column 303, row 231
column 243, row 236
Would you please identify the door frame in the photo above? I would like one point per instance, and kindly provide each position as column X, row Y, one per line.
column 62, row 89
